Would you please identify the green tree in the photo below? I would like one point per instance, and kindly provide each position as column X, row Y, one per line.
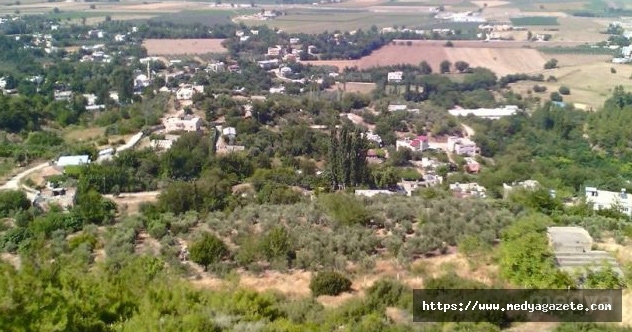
column 208, row 250
column 461, row 66
column 425, row 68
column 445, row 66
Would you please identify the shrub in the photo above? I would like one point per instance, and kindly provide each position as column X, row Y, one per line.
column 551, row 64
column 564, row 90
column 329, row 283
column 387, row 292
column 345, row 209
column 539, row 88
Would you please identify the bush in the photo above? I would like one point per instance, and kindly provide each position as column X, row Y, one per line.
column 344, row 209
column 551, row 64
column 539, row 88
column 564, row 90
column 387, row 292
column 329, row 283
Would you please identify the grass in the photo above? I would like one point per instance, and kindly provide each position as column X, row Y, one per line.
column 534, row 20
column 590, row 84
column 208, row 17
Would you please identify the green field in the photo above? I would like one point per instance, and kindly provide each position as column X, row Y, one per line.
column 208, row 17
column 534, row 20
column 316, row 21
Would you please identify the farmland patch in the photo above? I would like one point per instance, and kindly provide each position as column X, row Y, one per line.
column 534, row 20
column 183, row 46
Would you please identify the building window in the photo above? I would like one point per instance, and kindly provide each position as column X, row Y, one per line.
column 626, row 209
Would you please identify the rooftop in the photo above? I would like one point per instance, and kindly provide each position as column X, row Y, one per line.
column 572, row 247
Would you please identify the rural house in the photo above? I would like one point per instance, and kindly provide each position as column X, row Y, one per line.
column 418, row 144
column 372, row 192
column 466, row 190
column 186, row 91
column 572, row 247
column 602, row 199
column 462, row 146
column 471, row 165
column 395, row 76
column 186, row 123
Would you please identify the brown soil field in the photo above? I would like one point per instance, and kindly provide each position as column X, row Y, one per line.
column 183, row 46
column 357, row 87
column 502, row 57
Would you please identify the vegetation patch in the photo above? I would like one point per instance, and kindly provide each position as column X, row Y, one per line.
column 534, row 20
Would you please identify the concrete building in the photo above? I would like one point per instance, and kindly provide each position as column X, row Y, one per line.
column 186, row 91
column 602, row 199
column 395, row 76
column 465, row 190
column 572, row 247
column 186, row 123
column 462, row 146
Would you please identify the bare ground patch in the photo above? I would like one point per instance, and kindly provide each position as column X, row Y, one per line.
column 183, row 46
column 357, row 87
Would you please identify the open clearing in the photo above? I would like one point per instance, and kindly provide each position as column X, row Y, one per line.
column 590, row 84
column 183, row 46
column 357, row 87
column 499, row 57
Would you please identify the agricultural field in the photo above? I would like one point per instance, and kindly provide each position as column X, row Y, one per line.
column 503, row 59
column 316, row 21
column 534, row 20
column 183, row 46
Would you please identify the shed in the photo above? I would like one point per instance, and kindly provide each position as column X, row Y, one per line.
column 73, row 160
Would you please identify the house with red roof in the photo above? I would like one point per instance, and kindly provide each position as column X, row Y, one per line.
column 418, row 144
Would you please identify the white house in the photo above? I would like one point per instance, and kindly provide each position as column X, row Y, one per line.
column 216, row 67
column 487, row 113
column 371, row 193
column 462, row 146
column 72, row 160
column 395, row 76
column 229, row 131
column 602, row 199
column 186, row 123
column 274, row 51
column 186, row 92
column 370, row 136
column 418, row 144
